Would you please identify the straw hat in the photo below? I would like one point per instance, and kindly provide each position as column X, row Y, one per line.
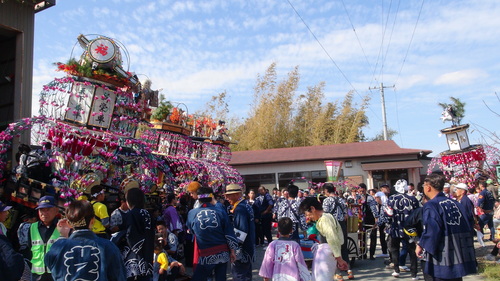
column 233, row 188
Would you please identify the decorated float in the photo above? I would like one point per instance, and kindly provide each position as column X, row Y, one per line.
column 100, row 125
column 463, row 162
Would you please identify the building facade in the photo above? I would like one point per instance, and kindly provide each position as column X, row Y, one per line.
column 17, row 24
column 373, row 163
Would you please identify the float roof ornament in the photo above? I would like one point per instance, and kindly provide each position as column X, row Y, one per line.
column 104, row 53
column 453, row 112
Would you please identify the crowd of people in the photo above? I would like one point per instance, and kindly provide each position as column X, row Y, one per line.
column 435, row 224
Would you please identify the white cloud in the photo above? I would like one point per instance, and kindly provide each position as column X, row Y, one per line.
column 193, row 49
column 462, row 77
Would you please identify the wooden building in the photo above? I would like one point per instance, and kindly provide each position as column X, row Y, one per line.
column 374, row 163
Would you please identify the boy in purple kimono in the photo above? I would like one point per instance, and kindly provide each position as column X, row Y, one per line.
column 215, row 237
column 283, row 259
column 446, row 239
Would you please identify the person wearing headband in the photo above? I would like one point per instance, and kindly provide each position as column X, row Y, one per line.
column 101, row 223
column 215, row 237
column 83, row 256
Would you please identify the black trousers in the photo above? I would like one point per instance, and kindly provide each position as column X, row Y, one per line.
column 383, row 241
column 394, row 246
column 259, row 236
column 41, row 277
column 343, row 249
column 373, row 242
column 427, row 277
column 266, row 227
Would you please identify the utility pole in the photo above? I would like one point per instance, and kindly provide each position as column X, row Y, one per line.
column 382, row 101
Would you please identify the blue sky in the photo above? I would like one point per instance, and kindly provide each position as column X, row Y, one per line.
column 196, row 49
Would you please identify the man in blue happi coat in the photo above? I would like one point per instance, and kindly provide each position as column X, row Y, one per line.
column 214, row 235
column 446, row 239
column 399, row 207
column 265, row 205
column 242, row 217
column 486, row 202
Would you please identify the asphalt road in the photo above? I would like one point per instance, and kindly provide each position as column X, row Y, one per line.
column 362, row 269
column 366, row 269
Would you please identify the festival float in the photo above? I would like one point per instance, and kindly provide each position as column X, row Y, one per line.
column 100, row 125
column 464, row 162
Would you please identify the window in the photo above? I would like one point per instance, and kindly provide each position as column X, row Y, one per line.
column 318, row 176
column 286, row 178
column 254, row 181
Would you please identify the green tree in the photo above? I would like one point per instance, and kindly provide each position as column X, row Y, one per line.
column 278, row 119
column 269, row 122
column 217, row 107
column 390, row 135
column 347, row 125
column 458, row 108
column 305, row 130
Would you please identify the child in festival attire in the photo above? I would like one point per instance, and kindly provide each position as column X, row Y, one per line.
column 160, row 265
column 170, row 240
column 165, row 268
column 327, row 254
column 283, row 259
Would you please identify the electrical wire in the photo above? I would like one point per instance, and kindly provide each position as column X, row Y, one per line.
column 381, row 48
column 326, row 52
column 322, row 47
column 401, row 69
column 397, row 118
column 411, row 40
column 390, row 36
column 357, row 37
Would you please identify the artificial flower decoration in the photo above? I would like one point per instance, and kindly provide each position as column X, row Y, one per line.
column 97, row 121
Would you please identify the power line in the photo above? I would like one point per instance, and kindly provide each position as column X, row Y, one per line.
column 384, row 58
column 411, row 40
column 326, row 52
column 355, row 33
column 321, row 45
column 379, row 50
column 397, row 118
column 401, row 69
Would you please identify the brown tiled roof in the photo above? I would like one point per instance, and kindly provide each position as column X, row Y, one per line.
column 321, row 152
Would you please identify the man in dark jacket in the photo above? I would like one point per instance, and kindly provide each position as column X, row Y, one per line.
column 241, row 215
column 265, row 204
column 139, row 250
column 217, row 243
column 461, row 196
column 486, row 202
column 446, row 239
column 11, row 262
column 399, row 207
